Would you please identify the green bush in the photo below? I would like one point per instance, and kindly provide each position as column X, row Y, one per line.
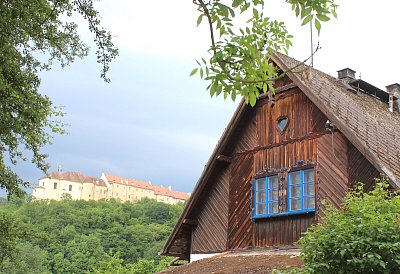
column 363, row 236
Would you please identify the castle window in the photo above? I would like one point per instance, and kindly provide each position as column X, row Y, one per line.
column 55, row 186
column 274, row 197
column 70, row 187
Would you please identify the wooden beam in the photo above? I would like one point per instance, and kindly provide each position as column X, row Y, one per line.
column 224, row 158
column 189, row 222
column 279, row 90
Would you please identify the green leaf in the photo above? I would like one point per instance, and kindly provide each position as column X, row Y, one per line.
column 236, row 3
column 193, row 72
column 199, row 19
column 307, row 19
column 233, row 95
column 317, row 25
column 255, row 13
column 334, row 13
column 253, row 99
column 232, row 12
column 323, row 18
column 297, row 10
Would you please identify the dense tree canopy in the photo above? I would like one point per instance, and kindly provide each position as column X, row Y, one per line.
column 84, row 236
column 33, row 36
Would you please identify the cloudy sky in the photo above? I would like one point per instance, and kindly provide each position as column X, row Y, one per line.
column 155, row 123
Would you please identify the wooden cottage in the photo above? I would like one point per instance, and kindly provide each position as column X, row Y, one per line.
column 263, row 185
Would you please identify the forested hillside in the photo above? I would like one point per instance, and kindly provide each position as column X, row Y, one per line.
column 84, row 236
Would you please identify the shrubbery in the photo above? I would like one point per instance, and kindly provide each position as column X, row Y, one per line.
column 361, row 237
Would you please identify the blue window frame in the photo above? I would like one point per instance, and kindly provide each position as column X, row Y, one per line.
column 301, row 191
column 272, row 199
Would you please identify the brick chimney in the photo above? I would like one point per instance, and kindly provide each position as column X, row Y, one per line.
column 394, row 96
column 346, row 75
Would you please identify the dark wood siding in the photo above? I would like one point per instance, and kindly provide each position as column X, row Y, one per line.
column 304, row 119
column 275, row 150
column 240, row 227
column 332, row 169
column 246, row 138
column 210, row 234
column 283, row 230
column 360, row 170
column 181, row 246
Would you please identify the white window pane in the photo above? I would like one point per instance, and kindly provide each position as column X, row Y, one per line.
column 273, row 182
column 309, row 175
column 273, row 194
column 273, row 207
column 260, row 184
column 294, row 177
column 295, row 191
column 260, row 197
column 309, row 189
column 309, row 202
column 260, row 209
column 295, row 204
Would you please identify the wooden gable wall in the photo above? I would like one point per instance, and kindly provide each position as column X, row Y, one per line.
column 212, row 218
column 256, row 145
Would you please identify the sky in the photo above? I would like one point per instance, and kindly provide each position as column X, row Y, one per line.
column 155, row 123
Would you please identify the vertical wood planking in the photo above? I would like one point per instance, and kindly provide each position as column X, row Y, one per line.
column 284, row 230
column 304, row 118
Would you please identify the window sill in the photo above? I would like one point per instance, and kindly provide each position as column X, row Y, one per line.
column 297, row 212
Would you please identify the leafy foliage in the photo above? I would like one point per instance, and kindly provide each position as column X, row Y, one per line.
column 240, row 62
column 85, row 236
column 361, row 237
column 142, row 266
column 34, row 34
column 30, row 259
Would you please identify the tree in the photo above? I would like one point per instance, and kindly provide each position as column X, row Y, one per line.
column 363, row 236
column 240, row 62
column 8, row 240
column 77, row 236
column 29, row 259
column 34, row 35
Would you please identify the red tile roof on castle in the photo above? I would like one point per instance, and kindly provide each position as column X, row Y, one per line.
column 75, row 177
column 165, row 191
column 158, row 190
column 127, row 181
column 180, row 195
